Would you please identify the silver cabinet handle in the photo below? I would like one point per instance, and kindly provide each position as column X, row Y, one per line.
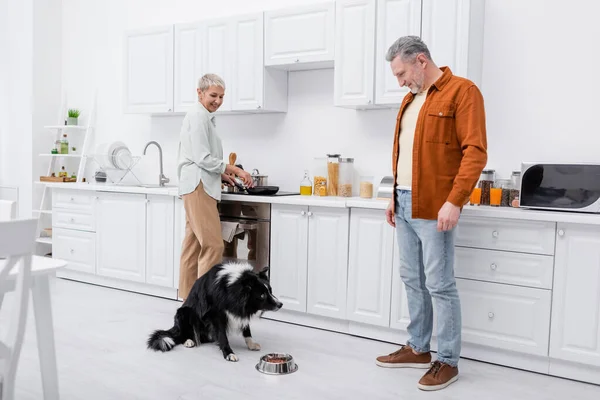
column 493, row 266
column 310, row 214
column 72, row 251
column 302, row 212
column 72, row 220
column 561, row 232
column 490, row 315
column 495, row 234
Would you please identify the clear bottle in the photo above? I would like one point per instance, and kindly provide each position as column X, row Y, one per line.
column 346, row 177
column 515, row 189
column 306, row 185
column 64, row 145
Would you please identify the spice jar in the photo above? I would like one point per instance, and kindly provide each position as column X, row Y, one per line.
column 320, row 176
column 333, row 174
column 366, row 187
column 486, row 182
column 346, row 177
column 505, row 186
column 515, row 189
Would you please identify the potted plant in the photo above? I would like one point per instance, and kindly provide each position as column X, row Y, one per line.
column 73, row 116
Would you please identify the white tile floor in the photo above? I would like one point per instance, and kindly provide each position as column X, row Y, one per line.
column 101, row 336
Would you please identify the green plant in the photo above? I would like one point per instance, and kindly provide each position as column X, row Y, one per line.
column 74, row 113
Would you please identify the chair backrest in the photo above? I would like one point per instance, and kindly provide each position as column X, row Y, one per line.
column 8, row 210
column 17, row 242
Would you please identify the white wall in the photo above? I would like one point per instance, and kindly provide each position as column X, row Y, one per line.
column 16, row 49
column 538, row 85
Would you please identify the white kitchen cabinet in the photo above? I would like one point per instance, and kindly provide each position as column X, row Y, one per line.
column 179, row 234
column 254, row 88
column 148, row 70
column 300, row 37
column 575, row 330
column 395, row 18
column 160, row 214
column 289, row 255
column 399, row 316
column 121, row 236
column 77, row 248
column 327, row 261
column 217, row 57
column 370, row 267
column 187, row 67
column 354, row 71
column 505, row 316
column 453, row 32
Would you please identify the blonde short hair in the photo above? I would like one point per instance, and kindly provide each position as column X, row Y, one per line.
column 209, row 80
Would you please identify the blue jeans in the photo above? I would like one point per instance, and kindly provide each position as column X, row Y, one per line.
column 427, row 270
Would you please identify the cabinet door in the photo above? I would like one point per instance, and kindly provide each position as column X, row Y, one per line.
column 248, row 65
column 179, row 234
column 148, row 75
column 188, row 51
column 289, row 252
column 121, row 236
column 76, row 247
column 284, row 45
column 354, row 73
column 575, row 330
column 327, row 261
column 160, row 213
column 395, row 18
column 369, row 267
column 453, row 31
column 217, row 55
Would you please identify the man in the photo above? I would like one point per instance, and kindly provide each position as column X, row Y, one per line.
column 440, row 148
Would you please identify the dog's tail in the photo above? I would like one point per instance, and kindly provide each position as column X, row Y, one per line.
column 161, row 340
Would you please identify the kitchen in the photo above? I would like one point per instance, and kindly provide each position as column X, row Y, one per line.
column 317, row 121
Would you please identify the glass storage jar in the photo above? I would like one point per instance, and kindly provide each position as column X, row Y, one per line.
column 333, row 174
column 320, row 176
column 486, row 182
column 515, row 179
column 505, row 186
column 346, row 177
column 366, row 187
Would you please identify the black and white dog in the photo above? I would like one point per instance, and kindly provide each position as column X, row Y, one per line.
column 226, row 297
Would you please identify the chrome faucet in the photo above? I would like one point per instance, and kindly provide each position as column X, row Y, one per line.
column 162, row 179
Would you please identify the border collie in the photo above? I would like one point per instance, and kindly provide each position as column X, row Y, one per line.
column 227, row 297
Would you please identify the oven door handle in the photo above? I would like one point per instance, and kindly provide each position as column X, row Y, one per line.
column 243, row 224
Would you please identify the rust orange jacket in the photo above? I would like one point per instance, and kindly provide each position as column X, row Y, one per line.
column 450, row 145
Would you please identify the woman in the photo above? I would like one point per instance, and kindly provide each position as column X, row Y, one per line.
column 200, row 171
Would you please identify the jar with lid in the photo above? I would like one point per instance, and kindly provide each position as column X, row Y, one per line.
column 64, row 145
column 320, row 176
column 515, row 189
column 333, row 174
column 366, row 187
column 505, row 185
column 306, row 185
column 346, row 177
column 486, row 182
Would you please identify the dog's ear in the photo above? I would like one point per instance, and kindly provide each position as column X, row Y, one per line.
column 263, row 273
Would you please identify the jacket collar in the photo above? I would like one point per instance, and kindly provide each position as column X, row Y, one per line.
column 444, row 79
column 200, row 107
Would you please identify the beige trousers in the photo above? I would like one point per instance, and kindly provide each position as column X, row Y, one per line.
column 202, row 246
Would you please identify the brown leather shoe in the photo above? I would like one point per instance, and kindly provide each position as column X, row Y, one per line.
column 405, row 358
column 439, row 376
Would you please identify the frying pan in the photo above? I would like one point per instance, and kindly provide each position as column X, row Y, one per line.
column 257, row 190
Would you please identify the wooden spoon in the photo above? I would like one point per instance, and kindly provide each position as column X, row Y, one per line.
column 232, row 159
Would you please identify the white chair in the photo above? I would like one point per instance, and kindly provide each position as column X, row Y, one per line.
column 8, row 210
column 17, row 243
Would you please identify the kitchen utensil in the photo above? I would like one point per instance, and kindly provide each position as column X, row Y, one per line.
column 276, row 364
column 259, row 179
column 386, row 188
column 256, row 190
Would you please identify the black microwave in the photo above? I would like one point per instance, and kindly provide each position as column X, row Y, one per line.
column 560, row 186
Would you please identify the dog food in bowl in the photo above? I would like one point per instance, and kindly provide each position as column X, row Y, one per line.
column 276, row 364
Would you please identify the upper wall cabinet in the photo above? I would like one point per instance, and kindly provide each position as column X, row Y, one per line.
column 300, row 37
column 188, row 51
column 148, row 70
column 365, row 29
column 453, row 31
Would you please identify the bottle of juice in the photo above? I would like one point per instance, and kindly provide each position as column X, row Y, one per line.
column 306, row 185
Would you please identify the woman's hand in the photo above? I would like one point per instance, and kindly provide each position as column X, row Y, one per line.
column 246, row 177
column 228, row 179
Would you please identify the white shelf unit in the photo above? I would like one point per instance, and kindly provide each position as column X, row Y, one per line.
column 72, row 131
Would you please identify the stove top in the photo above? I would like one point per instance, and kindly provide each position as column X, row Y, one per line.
column 280, row 193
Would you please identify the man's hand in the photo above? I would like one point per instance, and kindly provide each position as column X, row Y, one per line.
column 448, row 217
column 227, row 179
column 389, row 214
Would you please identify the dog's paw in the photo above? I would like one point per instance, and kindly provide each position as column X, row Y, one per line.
column 252, row 345
column 232, row 357
column 189, row 343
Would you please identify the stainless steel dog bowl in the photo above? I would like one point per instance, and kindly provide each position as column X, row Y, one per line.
column 277, row 364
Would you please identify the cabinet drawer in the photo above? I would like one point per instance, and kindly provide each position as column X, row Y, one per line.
column 76, row 247
column 535, row 237
column 522, row 269
column 73, row 220
column 504, row 316
column 73, row 200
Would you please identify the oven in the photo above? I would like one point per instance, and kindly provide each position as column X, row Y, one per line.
column 247, row 228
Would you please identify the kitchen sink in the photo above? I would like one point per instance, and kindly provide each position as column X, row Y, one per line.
column 155, row 185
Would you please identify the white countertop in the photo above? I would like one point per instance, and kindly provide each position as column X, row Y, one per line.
column 350, row 202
